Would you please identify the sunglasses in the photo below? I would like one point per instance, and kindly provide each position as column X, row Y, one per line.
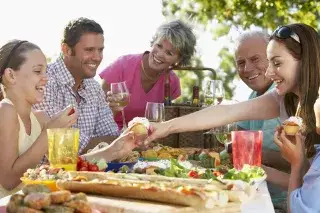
column 284, row 32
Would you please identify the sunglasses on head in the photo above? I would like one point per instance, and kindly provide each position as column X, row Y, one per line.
column 284, row 32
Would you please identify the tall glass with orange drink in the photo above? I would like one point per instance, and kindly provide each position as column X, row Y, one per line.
column 63, row 146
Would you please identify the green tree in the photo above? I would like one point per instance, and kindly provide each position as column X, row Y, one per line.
column 242, row 14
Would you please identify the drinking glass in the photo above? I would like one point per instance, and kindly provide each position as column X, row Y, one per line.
column 246, row 148
column 63, row 144
column 155, row 112
column 219, row 91
column 209, row 93
column 121, row 94
column 223, row 134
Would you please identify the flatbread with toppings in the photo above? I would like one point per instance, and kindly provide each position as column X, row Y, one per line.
column 188, row 192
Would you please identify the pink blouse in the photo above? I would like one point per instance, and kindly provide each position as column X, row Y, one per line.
column 127, row 68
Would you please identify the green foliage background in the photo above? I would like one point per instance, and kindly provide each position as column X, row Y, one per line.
column 218, row 16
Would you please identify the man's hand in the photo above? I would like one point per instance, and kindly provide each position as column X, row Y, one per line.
column 113, row 103
column 124, row 144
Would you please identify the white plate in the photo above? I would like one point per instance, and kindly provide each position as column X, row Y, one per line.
column 253, row 181
column 250, row 188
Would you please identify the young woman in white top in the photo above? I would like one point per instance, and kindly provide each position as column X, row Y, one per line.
column 23, row 138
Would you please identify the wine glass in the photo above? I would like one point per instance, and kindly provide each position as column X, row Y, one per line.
column 223, row 134
column 121, row 95
column 209, row 92
column 219, row 91
column 155, row 112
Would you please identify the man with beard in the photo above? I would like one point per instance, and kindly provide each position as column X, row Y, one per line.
column 251, row 63
column 71, row 82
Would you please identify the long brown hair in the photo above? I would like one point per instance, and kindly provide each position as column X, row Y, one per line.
column 308, row 53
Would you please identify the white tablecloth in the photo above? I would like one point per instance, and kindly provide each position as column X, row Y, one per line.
column 261, row 203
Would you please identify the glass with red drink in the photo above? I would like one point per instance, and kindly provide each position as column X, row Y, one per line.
column 246, row 148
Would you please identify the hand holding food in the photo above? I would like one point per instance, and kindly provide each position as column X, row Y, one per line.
column 157, row 130
column 125, row 143
column 294, row 153
column 140, row 127
column 63, row 119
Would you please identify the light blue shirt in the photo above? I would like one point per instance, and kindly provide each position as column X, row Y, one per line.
column 307, row 198
column 267, row 126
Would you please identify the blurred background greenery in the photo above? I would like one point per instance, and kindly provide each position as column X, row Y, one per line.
column 240, row 15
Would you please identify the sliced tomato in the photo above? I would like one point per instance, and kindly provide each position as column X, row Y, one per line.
column 93, row 168
column 193, row 174
column 83, row 168
column 84, row 164
column 80, row 159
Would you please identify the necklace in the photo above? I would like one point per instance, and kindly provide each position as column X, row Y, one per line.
column 145, row 73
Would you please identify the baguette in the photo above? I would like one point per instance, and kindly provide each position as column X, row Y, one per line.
column 132, row 176
column 199, row 195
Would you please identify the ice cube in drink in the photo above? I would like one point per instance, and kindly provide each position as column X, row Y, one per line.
column 63, row 146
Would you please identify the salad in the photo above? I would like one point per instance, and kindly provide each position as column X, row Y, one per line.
column 45, row 172
column 246, row 174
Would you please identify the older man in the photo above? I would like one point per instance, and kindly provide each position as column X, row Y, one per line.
column 251, row 62
column 71, row 82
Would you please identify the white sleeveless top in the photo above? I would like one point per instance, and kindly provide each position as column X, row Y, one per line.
column 25, row 142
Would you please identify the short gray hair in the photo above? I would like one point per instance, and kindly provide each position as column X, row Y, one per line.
column 251, row 34
column 181, row 36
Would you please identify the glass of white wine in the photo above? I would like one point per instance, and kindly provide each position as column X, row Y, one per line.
column 223, row 134
column 209, row 93
column 219, row 91
column 154, row 112
column 121, row 94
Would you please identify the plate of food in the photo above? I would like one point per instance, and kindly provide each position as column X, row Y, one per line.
column 124, row 164
column 44, row 175
column 51, row 184
column 123, row 167
column 254, row 175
